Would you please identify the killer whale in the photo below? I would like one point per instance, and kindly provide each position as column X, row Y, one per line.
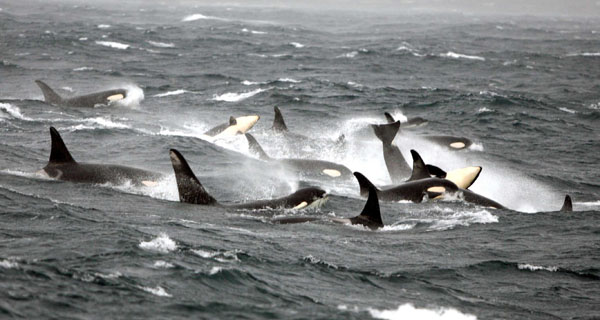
column 412, row 122
column 234, row 126
column 280, row 128
column 452, row 142
column 463, row 178
column 567, row 205
column 87, row 101
column 397, row 167
column 191, row 191
column 303, row 166
column 416, row 190
column 62, row 166
column 369, row 217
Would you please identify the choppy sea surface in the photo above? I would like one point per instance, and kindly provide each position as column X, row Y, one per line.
column 525, row 90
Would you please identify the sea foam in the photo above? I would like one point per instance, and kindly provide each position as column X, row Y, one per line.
column 235, row 97
column 112, row 44
column 455, row 55
column 162, row 244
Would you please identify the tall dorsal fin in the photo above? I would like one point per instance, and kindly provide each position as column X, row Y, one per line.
column 567, row 205
column 58, row 152
column 389, row 117
column 232, row 121
column 189, row 187
column 371, row 215
column 49, row 95
column 419, row 169
column 364, row 184
column 278, row 122
column 386, row 132
column 255, row 147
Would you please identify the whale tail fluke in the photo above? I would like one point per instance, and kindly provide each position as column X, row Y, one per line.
column 364, row 183
column 567, row 205
column 189, row 187
column 389, row 117
column 50, row 96
column 278, row 122
column 255, row 147
column 386, row 132
column 59, row 152
column 370, row 216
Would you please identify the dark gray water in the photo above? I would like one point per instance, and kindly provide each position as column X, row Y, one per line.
column 525, row 90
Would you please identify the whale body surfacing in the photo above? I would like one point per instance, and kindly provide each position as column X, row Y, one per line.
column 86, row 101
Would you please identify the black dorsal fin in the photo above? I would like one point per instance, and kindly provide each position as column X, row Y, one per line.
column 386, row 132
column 371, row 215
column 49, row 95
column 419, row 169
column 436, row 171
column 389, row 117
column 278, row 122
column 58, row 152
column 190, row 188
column 364, row 184
column 255, row 147
column 232, row 121
column 567, row 205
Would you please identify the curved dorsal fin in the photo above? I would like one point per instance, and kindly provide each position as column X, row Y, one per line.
column 189, row 187
column 255, row 147
column 386, row 132
column 58, row 152
column 370, row 216
column 389, row 117
column 232, row 121
column 364, row 184
column 419, row 169
column 278, row 123
column 567, row 205
column 49, row 95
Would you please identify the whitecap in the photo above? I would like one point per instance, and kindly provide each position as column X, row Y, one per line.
column 103, row 26
column 530, row 267
column 251, row 83
column 455, row 55
column 199, row 16
column 484, row 110
column 408, row 311
column 83, row 39
column 158, row 291
column 163, row 264
column 170, row 93
column 348, row 55
column 13, row 111
column 112, row 44
column 314, row 260
column 235, row 97
column 354, row 84
column 584, row 54
column 8, row 264
column 83, row 69
column 297, row 44
column 288, row 80
column 215, row 270
column 567, row 110
column 162, row 244
column 161, row 44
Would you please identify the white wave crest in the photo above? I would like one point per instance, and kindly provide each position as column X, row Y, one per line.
column 348, row 55
column 408, row 311
column 9, row 264
column 584, row 54
column 162, row 244
column 215, row 270
column 567, row 110
column 13, row 111
column 455, row 55
column 83, row 69
column 484, row 110
column 158, row 291
column 314, row 260
column 250, row 83
column 112, row 44
column 163, row 264
column 463, row 218
column 198, row 16
column 161, row 44
column 297, row 44
column 103, row 26
column 288, row 80
column 525, row 266
column 170, row 93
column 235, row 97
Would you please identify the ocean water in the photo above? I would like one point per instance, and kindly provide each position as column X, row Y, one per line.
column 524, row 89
